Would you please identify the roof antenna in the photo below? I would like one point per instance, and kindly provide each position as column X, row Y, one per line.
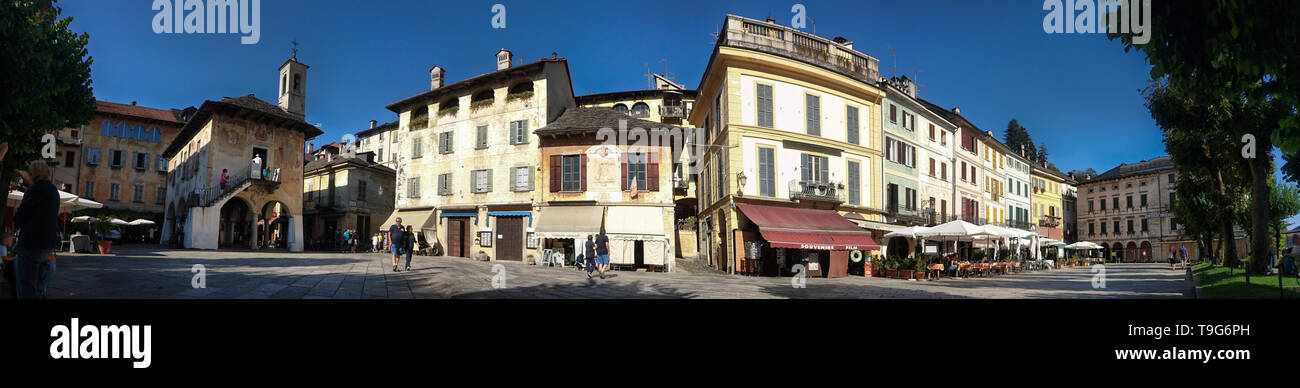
column 895, row 55
column 649, row 77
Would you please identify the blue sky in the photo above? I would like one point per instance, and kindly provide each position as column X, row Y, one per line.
column 1078, row 94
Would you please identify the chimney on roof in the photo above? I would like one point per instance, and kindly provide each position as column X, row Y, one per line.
column 132, row 103
column 770, row 19
column 372, row 124
column 503, row 59
column 1022, row 150
column 990, row 133
column 956, row 109
column 844, row 42
column 311, row 147
column 435, row 77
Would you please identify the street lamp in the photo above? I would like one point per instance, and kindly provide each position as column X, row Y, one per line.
column 742, row 179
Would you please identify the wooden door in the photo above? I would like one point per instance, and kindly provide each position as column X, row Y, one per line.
column 510, row 238
column 456, row 237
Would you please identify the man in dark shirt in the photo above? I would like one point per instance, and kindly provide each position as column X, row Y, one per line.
column 602, row 253
column 397, row 237
column 37, row 222
column 589, row 255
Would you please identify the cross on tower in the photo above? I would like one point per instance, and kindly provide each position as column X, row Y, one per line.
column 295, row 49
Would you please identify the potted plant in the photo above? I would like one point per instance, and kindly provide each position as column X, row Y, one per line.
column 907, row 268
column 921, row 269
column 891, row 268
column 519, row 95
column 101, row 227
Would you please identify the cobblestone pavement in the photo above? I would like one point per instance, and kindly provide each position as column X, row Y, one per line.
column 150, row 272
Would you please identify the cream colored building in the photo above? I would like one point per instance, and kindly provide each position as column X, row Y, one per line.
column 601, row 173
column 380, row 139
column 260, row 206
column 789, row 125
column 345, row 190
column 1128, row 210
column 668, row 103
column 994, row 181
column 468, row 161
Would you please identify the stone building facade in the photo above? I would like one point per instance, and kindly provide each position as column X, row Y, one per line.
column 345, row 190
column 260, row 205
column 116, row 159
column 469, row 159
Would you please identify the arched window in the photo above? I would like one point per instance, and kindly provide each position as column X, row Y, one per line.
column 620, row 108
column 640, row 109
column 481, row 99
column 123, row 130
column 522, row 90
column 449, row 106
column 107, row 129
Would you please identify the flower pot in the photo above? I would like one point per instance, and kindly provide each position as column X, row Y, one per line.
column 105, row 247
column 905, row 273
column 920, row 275
column 891, row 273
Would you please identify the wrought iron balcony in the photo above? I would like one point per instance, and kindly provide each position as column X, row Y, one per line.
column 672, row 111
column 1049, row 221
column 792, row 43
column 816, row 191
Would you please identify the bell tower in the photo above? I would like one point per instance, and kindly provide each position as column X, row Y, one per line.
column 293, row 85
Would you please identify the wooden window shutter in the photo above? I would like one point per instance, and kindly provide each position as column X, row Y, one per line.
column 488, row 188
column 556, row 172
column 652, row 172
column 582, row 178
column 531, row 178
column 893, row 113
column 622, row 163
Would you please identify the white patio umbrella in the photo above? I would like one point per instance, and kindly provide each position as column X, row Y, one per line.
column 84, row 219
column 956, row 230
column 119, row 222
column 1083, row 245
column 141, row 221
column 908, row 232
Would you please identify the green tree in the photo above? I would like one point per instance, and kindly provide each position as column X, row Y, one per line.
column 1042, row 153
column 1017, row 138
column 1229, row 53
column 1084, row 175
column 1195, row 138
column 1222, row 50
column 1196, row 210
column 44, row 80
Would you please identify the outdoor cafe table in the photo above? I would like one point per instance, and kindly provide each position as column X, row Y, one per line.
column 936, row 268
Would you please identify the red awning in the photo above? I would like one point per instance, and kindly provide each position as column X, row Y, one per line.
column 796, row 228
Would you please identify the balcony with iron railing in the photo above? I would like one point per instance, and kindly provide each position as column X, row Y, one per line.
column 1049, row 221
column 801, row 190
column 792, row 43
column 673, row 111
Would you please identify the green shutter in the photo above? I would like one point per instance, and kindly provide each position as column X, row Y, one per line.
column 489, row 182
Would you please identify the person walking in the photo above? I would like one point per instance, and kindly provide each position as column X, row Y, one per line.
column 352, row 242
column 409, row 245
column 224, row 178
column 374, row 243
column 589, row 255
column 602, row 253
column 395, row 236
column 36, row 221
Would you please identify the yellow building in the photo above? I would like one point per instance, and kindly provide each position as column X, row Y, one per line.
column 468, row 158
column 1045, row 203
column 596, row 179
column 667, row 103
column 789, row 128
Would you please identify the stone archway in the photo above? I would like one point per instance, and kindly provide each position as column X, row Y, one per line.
column 1117, row 250
column 273, row 225
column 1131, row 253
column 236, row 224
column 1145, row 248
